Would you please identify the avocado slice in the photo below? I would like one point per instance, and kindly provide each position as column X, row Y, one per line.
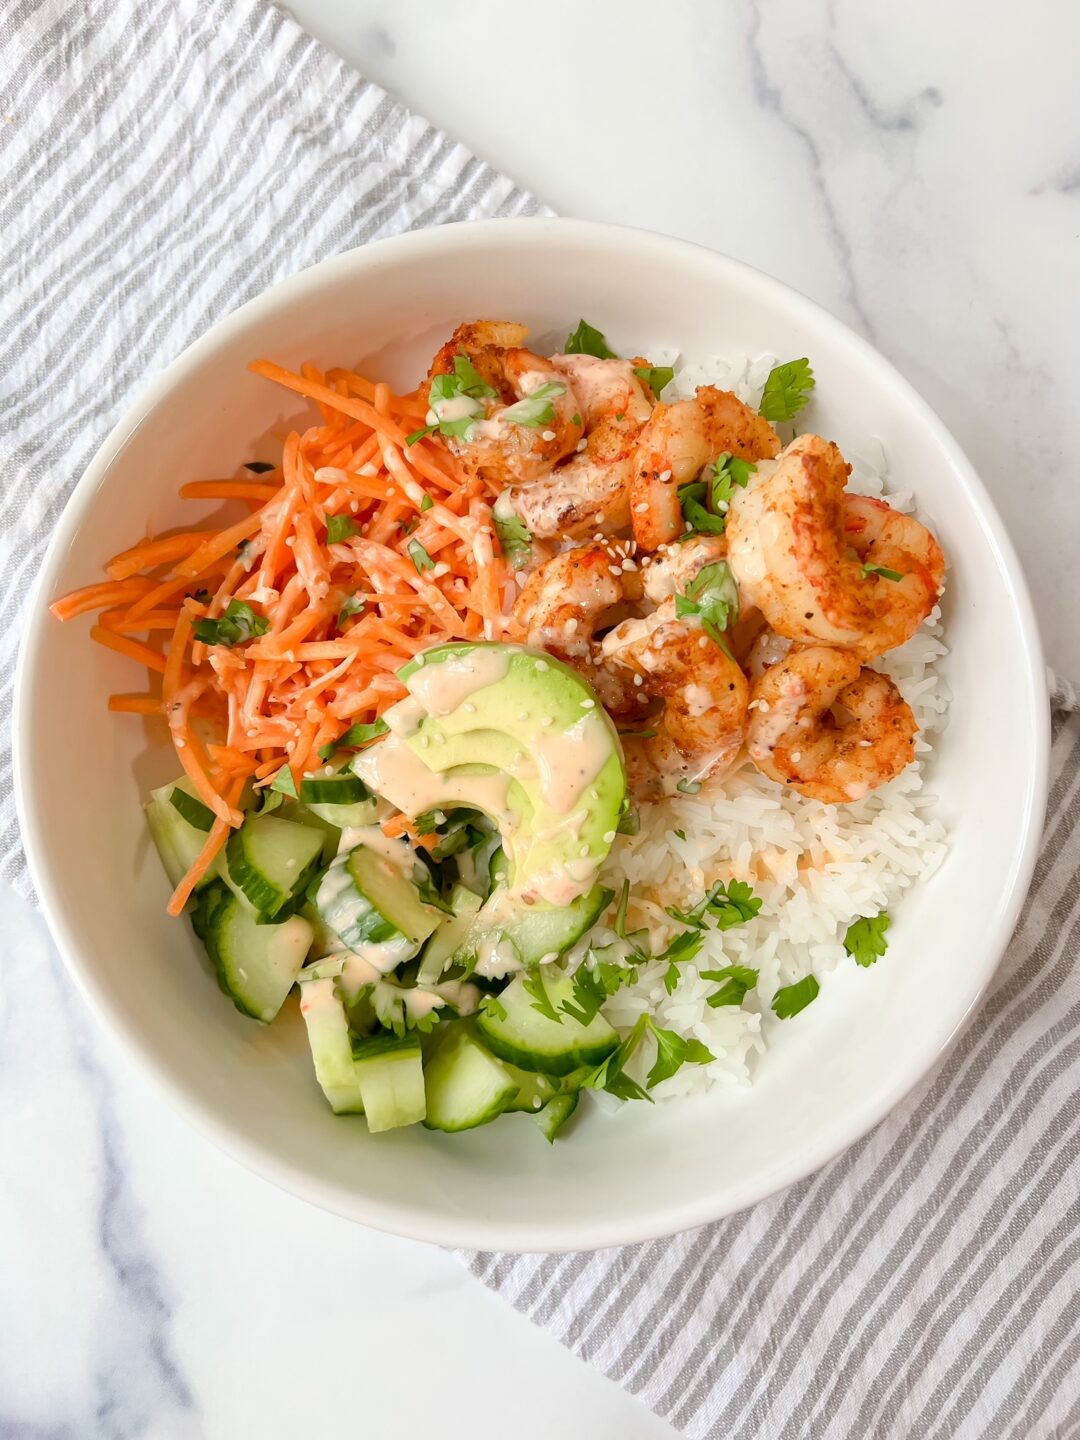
column 504, row 718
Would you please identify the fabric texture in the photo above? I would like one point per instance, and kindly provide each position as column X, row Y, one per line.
column 161, row 164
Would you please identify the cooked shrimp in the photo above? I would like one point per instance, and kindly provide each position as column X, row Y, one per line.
column 505, row 445
column 700, row 730
column 567, row 600
column 590, row 492
column 677, row 442
column 673, row 567
column 828, row 727
column 799, row 546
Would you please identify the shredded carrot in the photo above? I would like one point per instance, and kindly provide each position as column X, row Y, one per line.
column 135, row 704
column 310, row 634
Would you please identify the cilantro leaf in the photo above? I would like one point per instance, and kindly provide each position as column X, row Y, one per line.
column 595, row 980
column 865, row 939
column 533, row 985
column 340, row 527
column 730, row 904
column 426, row 504
column 655, row 376
column 419, row 557
column 726, row 472
column 470, row 381
column 609, row 1075
column 354, row 737
column 734, row 980
column 351, row 606
column 239, row 624
column 790, row 999
column 713, row 597
column 284, row 783
column 466, row 383
column 493, row 1006
column 587, row 340
column 420, row 434
column 886, row 574
column 536, row 408
column 698, row 519
column 787, row 390
column 683, row 948
column 672, row 1053
column 515, row 539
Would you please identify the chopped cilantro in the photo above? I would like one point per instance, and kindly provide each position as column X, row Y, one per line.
column 787, row 390
column 713, row 596
column 515, row 539
column 655, row 376
column 419, row 557
column 735, row 981
column 575, row 419
column 587, row 340
column 886, row 574
column 865, row 939
column 726, row 472
column 426, row 503
column 354, row 737
column 239, row 624
column 339, row 528
column 672, row 1053
column 730, row 904
column 351, row 606
column 698, row 519
column 465, row 383
column 790, row 999
column 284, row 783
column 536, row 408
column 493, row 1006
column 533, row 985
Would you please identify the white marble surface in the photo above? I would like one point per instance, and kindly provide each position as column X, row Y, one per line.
column 914, row 168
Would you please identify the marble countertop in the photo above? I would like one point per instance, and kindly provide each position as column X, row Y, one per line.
column 917, row 171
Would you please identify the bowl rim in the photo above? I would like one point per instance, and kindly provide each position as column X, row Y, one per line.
column 404, row 1218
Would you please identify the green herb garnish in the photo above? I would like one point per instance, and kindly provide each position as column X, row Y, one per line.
column 729, row 904
column 786, row 390
column 419, row 557
column 239, row 624
column 655, row 376
column 723, row 475
column 493, row 1006
column 354, row 738
column 533, row 985
column 339, row 528
column 536, row 409
column 865, row 939
column 352, row 606
column 672, row 1053
column 790, row 999
column 713, row 597
column 735, row 981
column 284, row 783
column 886, row 574
column 193, row 811
column 426, row 503
column 466, row 382
column 699, row 520
column 587, row 340
column 515, row 539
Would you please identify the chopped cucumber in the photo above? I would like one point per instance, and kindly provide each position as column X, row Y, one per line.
column 532, row 1041
column 362, row 897
column 257, row 964
column 311, row 817
column 538, row 933
column 331, row 1044
column 534, row 1090
column 176, row 838
column 466, row 1086
column 271, row 860
column 192, row 809
column 450, row 936
column 391, row 1076
column 344, row 789
column 556, row 1113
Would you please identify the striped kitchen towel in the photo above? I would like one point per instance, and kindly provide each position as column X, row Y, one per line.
column 927, row 1282
column 160, row 164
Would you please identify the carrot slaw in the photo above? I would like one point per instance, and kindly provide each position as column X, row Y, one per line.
column 357, row 550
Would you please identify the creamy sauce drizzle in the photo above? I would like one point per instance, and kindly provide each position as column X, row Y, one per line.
column 442, row 688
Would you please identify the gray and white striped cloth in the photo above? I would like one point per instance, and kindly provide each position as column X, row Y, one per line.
column 161, row 164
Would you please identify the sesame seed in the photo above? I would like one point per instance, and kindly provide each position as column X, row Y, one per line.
column 641, row 507
column 638, row 680
column 609, row 836
column 614, row 570
column 469, row 708
column 180, row 742
column 628, row 565
column 581, row 445
column 548, row 720
column 547, row 434
column 584, row 850
column 588, row 704
column 643, row 699
column 251, row 734
column 763, row 706
column 290, row 539
column 354, row 506
column 703, row 643
column 665, row 476
column 571, row 626
column 523, row 715
column 796, row 756
column 542, row 665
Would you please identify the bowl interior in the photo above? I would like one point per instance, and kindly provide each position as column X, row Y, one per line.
column 650, row 1169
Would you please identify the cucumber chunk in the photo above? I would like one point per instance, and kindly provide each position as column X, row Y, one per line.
column 391, row 1076
column 532, row 1041
column 392, row 893
column 450, row 936
column 271, row 860
column 331, row 1044
column 466, row 1086
column 556, row 1113
column 256, row 964
column 169, row 817
column 534, row 1090
column 343, row 789
column 538, row 933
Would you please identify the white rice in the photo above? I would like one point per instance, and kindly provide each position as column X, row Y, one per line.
column 814, row 867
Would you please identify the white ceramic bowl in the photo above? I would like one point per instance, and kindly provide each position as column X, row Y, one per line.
column 649, row 1170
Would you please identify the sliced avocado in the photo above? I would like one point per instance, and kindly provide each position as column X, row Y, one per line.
column 494, row 710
